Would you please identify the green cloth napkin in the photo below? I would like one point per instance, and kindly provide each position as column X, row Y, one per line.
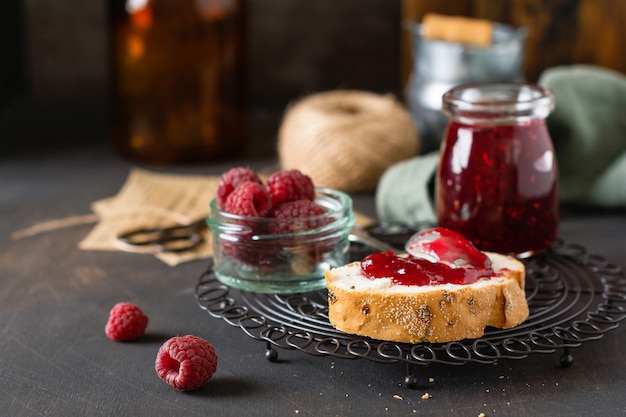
column 405, row 191
column 588, row 128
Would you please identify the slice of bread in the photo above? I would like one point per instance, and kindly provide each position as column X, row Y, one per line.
column 380, row 309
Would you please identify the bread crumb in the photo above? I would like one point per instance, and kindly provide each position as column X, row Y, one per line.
column 482, row 415
column 431, row 379
column 297, row 411
column 425, row 396
column 397, row 397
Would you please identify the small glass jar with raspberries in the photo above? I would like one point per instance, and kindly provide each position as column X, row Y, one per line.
column 277, row 235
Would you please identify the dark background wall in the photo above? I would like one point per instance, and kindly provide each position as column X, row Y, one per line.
column 54, row 51
column 12, row 69
column 59, row 48
column 293, row 46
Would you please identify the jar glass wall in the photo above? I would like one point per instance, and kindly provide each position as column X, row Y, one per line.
column 497, row 181
column 248, row 255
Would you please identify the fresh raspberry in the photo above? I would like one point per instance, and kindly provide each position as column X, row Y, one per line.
column 186, row 362
column 297, row 216
column 231, row 179
column 290, row 185
column 248, row 199
column 126, row 322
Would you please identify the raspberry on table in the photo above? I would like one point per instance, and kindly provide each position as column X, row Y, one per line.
column 248, row 199
column 126, row 322
column 290, row 185
column 231, row 179
column 297, row 216
column 186, row 362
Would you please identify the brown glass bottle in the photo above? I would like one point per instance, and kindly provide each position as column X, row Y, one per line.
column 178, row 79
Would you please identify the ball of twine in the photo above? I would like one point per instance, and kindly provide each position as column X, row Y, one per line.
column 346, row 139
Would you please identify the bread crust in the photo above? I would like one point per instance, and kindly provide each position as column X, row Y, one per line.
column 414, row 314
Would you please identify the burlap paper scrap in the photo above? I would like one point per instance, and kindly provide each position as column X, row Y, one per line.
column 149, row 199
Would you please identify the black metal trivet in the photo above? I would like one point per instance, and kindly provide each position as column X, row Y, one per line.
column 573, row 297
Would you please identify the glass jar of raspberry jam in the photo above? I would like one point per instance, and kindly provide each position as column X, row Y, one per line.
column 497, row 181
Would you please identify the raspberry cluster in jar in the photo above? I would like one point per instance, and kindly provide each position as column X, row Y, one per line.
column 285, row 204
column 287, row 194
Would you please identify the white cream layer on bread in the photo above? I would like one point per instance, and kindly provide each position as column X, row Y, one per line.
column 352, row 278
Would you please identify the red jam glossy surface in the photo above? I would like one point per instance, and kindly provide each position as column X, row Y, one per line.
column 458, row 262
column 448, row 247
column 497, row 186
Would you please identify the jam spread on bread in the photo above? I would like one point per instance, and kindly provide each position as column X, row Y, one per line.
column 436, row 256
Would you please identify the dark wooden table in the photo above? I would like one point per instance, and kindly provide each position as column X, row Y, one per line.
column 55, row 359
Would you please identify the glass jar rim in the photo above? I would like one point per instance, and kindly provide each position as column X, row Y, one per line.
column 337, row 204
column 498, row 102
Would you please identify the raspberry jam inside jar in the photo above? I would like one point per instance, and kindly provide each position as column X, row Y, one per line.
column 497, row 181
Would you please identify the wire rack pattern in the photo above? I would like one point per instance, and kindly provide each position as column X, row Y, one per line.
column 574, row 297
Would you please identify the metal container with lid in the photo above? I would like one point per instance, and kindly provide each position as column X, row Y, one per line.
column 440, row 65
